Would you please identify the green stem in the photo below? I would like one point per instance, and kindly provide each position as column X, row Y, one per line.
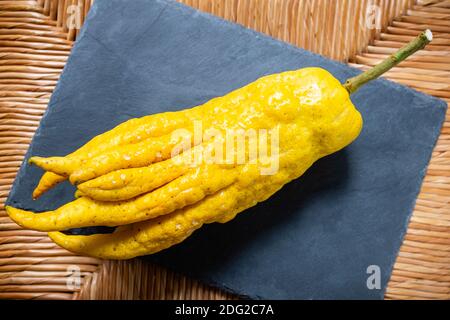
column 415, row 45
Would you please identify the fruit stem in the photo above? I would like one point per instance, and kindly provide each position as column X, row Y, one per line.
column 353, row 84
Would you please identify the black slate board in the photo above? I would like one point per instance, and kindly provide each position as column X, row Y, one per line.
column 316, row 237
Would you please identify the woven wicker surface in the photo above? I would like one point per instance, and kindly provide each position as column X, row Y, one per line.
column 35, row 40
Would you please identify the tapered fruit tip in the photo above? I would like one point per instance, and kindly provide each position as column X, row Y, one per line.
column 74, row 180
column 32, row 160
column 10, row 210
column 57, row 237
column 78, row 194
column 38, row 161
column 36, row 194
column 12, row 213
column 52, row 235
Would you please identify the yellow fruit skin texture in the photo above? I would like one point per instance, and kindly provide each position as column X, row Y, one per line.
column 315, row 117
column 128, row 133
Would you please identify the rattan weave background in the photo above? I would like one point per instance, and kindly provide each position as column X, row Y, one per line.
column 35, row 40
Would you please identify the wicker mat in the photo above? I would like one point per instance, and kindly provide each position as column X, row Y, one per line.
column 35, row 40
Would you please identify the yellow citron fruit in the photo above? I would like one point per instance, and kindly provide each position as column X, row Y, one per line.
column 313, row 115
